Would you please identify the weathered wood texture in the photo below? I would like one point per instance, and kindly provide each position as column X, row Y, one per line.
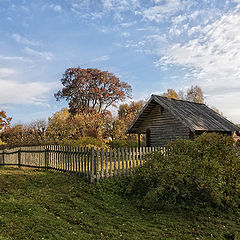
column 91, row 163
column 162, row 127
column 163, row 120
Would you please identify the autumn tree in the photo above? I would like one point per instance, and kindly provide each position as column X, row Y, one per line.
column 62, row 126
column 4, row 120
column 195, row 94
column 58, row 126
column 91, row 89
column 126, row 114
column 170, row 94
column 21, row 135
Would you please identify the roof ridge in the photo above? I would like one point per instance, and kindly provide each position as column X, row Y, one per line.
column 177, row 99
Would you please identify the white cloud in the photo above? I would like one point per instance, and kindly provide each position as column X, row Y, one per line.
column 15, row 58
column 56, row 8
column 46, row 55
column 119, row 5
column 23, row 93
column 212, row 60
column 6, row 72
column 125, row 34
column 18, row 38
column 101, row 59
column 163, row 10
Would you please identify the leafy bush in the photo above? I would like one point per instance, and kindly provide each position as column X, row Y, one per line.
column 123, row 143
column 85, row 142
column 204, row 171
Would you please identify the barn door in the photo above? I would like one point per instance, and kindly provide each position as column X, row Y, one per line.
column 148, row 137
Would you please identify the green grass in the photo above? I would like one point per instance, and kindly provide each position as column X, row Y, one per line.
column 46, row 205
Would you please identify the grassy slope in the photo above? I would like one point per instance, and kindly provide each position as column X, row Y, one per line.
column 47, row 205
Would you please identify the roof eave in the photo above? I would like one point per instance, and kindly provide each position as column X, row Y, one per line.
column 140, row 113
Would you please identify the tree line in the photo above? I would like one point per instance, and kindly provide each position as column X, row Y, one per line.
column 87, row 121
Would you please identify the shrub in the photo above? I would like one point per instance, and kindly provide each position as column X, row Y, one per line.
column 204, row 171
column 123, row 143
column 85, row 142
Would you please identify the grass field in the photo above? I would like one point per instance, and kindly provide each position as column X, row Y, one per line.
column 46, row 205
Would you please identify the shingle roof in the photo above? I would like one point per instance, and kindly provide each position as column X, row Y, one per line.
column 195, row 116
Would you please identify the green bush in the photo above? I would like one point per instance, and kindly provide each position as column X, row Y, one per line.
column 123, row 143
column 85, row 142
column 204, row 171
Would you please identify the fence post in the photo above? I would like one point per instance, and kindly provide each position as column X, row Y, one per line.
column 93, row 166
column 3, row 155
column 46, row 158
column 19, row 157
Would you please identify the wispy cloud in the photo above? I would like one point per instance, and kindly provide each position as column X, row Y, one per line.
column 55, row 7
column 45, row 55
column 20, row 39
column 15, row 58
column 213, row 56
column 120, row 5
column 101, row 59
column 211, row 59
column 162, row 10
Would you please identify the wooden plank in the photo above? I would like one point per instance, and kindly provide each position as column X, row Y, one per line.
column 79, row 151
column 115, row 162
column 106, row 162
column 134, row 159
column 122, row 156
column 88, row 162
column 118, row 158
column 137, row 157
column 97, row 165
column 130, row 161
column 92, row 165
column 140, row 155
column 102, row 162
column 110, row 158
column 126, row 161
column 84, row 160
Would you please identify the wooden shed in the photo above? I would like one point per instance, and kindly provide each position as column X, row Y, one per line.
column 163, row 120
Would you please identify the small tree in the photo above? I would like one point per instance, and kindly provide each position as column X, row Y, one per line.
column 91, row 89
column 128, row 112
column 4, row 120
column 195, row 94
column 171, row 94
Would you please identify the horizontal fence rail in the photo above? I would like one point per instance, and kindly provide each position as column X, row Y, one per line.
column 92, row 163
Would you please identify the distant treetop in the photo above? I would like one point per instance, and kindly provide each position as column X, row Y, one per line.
column 193, row 94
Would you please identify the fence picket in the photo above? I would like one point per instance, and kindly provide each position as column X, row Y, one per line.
column 115, row 162
column 110, row 160
column 94, row 164
column 122, row 155
column 134, row 159
column 130, row 161
column 118, row 158
column 126, row 160
column 97, row 165
column 106, row 163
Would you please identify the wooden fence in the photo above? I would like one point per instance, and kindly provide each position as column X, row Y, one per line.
column 91, row 163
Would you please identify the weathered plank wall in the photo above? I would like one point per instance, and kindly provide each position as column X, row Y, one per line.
column 163, row 127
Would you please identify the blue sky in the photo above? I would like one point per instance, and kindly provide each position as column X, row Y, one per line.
column 153, row 45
